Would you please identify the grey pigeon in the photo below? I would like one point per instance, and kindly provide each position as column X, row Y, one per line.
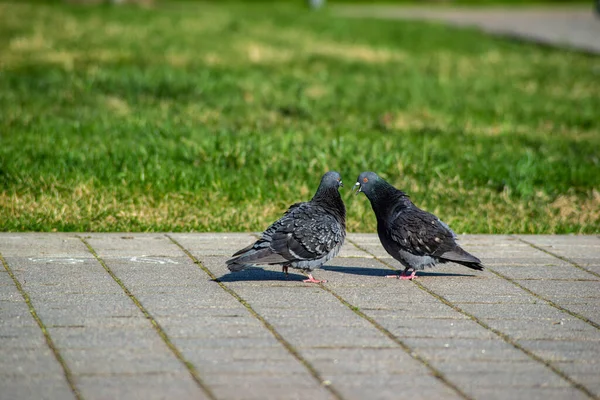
column 414, row 237
column 307, row 236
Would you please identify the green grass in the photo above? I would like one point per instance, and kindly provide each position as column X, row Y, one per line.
column 216, row 117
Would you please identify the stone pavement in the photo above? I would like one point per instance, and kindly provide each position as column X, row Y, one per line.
column 568, row 26
column 153, row 316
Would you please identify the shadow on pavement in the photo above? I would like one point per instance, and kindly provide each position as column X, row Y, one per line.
column 381, row 271
column 259, row 274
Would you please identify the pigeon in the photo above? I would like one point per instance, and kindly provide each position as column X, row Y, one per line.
column 414, row 237
column 307, row 236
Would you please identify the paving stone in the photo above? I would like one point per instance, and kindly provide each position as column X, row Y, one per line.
column 114, row 352
column 391, row 386
column 528, row 393
column 28, row 361
column 139, row 386
column 137, row 248
column 213, row 330
column 214, row 244
column 125, row 360
column 46, row 387
column 53, row 312
column 43, row 246
column 21, row 336
column 585, row 373
column 558, row 289
column 434, row 328
column 369, row 361
column 465, row 351
column 538, row 310
column 555, row 271
column 15, row 313
column 540, row 329
column 309, row 335
column 266, row 386
column 108, row 338
column 244, row 361
column 64, row 319
column 564, row 351
column 588, row 309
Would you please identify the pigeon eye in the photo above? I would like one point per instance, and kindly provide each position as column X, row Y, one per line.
column 365, row 180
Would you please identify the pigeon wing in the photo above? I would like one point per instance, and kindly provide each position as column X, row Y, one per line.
column 421, row 233
column 310, row 234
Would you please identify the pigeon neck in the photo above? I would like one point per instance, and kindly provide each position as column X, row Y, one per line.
column 387, row 198
column 330, row 199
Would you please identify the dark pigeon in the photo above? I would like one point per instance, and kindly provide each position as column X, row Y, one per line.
column 306, row 237
column 414, row 237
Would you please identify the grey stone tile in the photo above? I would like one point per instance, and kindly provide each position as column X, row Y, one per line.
column 28, row 361
column 466, row 351
column 527, row 393
column 435, row 328
column 243, row 361
column 46, row 387
column 124, row 360
column 115, row 353
column 323, row 337
column 557, row 270
column 106, row 338
column 15, row 313
column 297, row 386
column 42, row 245
column 560, row 289
column 391, row 386
column 21, row 337
column 590, row 309
column 538, row 310
column 368, row 361
column 540, row 329
column 139, row 386
column 565, row 350
column 214, row 244
column 138, row 248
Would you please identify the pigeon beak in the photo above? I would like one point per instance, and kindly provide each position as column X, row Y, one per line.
column 341, row 184
column 357, row 187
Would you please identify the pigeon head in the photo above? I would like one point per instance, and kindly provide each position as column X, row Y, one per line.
column 331, row 179
column 368, row 182
column 380, row 193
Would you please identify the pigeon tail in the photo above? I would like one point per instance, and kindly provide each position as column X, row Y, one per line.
column 252, row 256
column 460, row 256
column 235, row 267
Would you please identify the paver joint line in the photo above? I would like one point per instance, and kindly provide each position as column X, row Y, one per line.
column 411, row 352
column 159, row 330
column 66, row 370
column 548, row 301
column 437, row 374
column 498, row 333
column 288, row 346
column 557, row 256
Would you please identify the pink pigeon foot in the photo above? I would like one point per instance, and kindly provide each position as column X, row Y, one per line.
column 404, row 276
column 312, row 280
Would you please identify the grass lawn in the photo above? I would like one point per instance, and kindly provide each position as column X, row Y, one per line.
column 217, row 116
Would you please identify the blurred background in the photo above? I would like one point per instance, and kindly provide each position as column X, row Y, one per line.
column 141, row 115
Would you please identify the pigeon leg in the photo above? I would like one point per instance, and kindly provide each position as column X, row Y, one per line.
column 312, row 280
column 408, row 277
column 284, row 269
column 404, row 275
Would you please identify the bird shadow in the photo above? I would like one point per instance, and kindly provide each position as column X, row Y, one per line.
column 259, row 274
column 381, row 271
